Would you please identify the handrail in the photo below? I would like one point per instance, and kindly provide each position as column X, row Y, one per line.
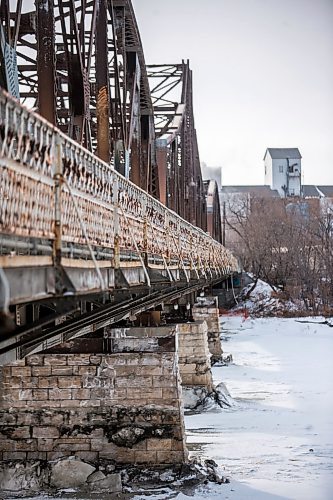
column 31, row 166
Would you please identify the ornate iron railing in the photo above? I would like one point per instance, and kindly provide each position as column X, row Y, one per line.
column 53, row 189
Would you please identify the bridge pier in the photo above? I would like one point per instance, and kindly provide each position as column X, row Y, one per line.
column 122, row 403
column 208, row 311
column 194, row 363
column 193, row 355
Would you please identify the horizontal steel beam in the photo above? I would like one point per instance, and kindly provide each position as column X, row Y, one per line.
column 101, row 317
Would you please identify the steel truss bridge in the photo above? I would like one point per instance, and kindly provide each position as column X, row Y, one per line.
column 103, row 210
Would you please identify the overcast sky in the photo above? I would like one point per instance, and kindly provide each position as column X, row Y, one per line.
column 263, row 77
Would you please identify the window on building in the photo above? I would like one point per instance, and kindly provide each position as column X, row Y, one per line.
column 280, row 168
column 292, row 192
column 265, row 169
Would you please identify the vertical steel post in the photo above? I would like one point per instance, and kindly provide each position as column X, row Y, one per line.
column 145, row 233
column 116, row 223
column 46, row 66
column 58, row 173
column 102, row 83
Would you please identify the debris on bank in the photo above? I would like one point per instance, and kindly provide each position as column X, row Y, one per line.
column 72, row 476
column 197, row 399
column 264, row 300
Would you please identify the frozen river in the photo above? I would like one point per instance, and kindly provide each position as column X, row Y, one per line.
column 277, row 440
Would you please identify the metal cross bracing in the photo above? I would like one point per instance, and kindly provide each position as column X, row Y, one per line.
column 181, row 185
column 180, row 181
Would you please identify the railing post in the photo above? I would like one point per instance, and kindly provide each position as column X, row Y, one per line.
column 145, row 233
column 116, row 223
column 58, row 179
column 167, row 250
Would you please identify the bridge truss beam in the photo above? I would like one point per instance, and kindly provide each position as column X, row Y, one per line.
column 102, row 195
column 81, row 65
column 181, row 184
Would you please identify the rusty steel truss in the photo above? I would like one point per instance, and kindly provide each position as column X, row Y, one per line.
column 102, row 200
column 72, row 226
column 80, row 64
column 62, row 203
column 180, row 181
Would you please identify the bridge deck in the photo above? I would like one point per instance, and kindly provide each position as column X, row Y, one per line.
column 70, row 225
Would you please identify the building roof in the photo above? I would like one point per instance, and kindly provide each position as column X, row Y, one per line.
column 282, row 153
column 313, row 191
column 260, row 191
column 310, row 191
column 326, row 190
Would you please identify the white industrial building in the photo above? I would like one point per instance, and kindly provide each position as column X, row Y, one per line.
column 283, row 171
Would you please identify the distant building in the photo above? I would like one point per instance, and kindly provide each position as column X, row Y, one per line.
column 313, row 191
column 236, row 203
column 283, row 171
column 283, row 181
column 212, row 173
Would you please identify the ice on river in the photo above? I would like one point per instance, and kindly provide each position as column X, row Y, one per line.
column 277, row 441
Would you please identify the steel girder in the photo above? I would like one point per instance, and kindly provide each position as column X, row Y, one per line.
column 81, row 65
column 179, row 172
column 214, row 226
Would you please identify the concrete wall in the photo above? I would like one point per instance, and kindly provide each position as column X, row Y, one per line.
column 124, row 406
column 280, row 179
column 268, row 170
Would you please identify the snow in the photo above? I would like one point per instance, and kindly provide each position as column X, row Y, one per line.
column 276, row 441
column 282, row 384
column 264, row 300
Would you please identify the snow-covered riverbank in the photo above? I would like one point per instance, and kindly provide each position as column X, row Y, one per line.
column 277, row 440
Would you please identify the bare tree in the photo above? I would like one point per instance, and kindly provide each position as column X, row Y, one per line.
column 287, row 244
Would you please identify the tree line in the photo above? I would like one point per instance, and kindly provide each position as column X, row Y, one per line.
column 288, row 244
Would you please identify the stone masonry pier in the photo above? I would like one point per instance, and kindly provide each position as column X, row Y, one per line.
column 193, row 349
column 194, row 356
column 210, row 314
column 122, row 405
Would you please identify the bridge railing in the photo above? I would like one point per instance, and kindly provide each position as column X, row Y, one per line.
column 48, row 181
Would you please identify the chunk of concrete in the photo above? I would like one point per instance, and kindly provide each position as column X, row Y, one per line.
column 70, row 473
